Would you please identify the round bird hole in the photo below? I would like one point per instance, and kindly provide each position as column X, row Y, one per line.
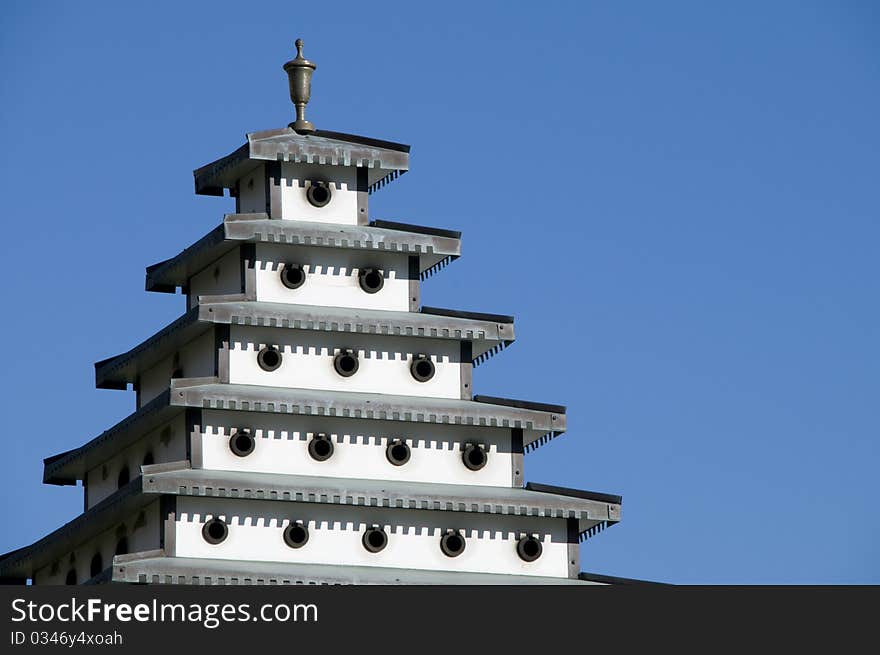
column 452, row 544
column 321, row 447
column 296, row 535
column 371, row 279
column 474, row 456
column 375, row 539
column 293, row 276
column 346, row 363
column 398, row 452
column 215, row 531
column 529, row 548
column 422, row 368
column 242, row 443
column 269, row 358
column 318, row 194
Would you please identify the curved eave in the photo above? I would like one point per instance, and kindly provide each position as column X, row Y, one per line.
column 538, row 424
column 487, row 333
column 20, row 564
column 154, row 567
column 590, row 510
column 435, row 247
column 384, row 160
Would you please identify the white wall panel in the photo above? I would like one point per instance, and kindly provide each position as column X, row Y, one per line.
column 196, row 359
column 335, row 533
column 141, row 530
column 220, row 277
column 359, row 449
column 307, row 362
column 332, row 277
column 342, row 181
column 167, row 443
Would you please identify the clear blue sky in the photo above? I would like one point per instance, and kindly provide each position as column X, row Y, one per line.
column 678, row 201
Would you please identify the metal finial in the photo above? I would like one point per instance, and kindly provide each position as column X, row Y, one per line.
column 299, row 75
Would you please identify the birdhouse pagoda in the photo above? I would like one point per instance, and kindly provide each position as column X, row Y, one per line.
column 308, row 419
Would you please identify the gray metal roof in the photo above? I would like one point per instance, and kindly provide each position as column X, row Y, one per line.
column 538, row 425
column 154, row 567
column 434, row 247
column 488, row 336
column 211, row 394
column 384, row 159
column 381, row 493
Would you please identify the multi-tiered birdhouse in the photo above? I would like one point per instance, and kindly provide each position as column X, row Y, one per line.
column 307, row 419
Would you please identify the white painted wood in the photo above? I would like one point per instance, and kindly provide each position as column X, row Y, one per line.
column 220, row 277
column 359, row 448
column 194, row 360
column 166, row 443
column 307, row 362
column 332, row 277
column 342, row 181
column 335, row 533
column 142, row 531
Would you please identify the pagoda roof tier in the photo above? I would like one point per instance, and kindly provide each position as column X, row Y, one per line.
column 384, row 159
column 154, row 567
column 19, row 564
column 593, row 511
column 489, row 333
column 436, row 247
column 539, row 422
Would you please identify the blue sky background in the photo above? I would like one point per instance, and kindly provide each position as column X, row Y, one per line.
column 678, row 201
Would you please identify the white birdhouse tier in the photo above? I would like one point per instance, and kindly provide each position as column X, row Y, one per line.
column 321, row 176
column 338, row 435
column 251, row 257
column 208, row 520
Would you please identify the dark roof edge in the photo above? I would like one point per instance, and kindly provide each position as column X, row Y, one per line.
column 109, row 506
column 615, row 580
column 212, row 238
column 363, row 140
column 521, row 404
column 417, row 229
column 575, row 493
column 55, row 462
column 460, row 313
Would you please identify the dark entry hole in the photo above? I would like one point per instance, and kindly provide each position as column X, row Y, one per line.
column 293, row 276
column 269, row 358
column 123, row 478
column 474, row 457
column 398, row 452
column 452, row 544
column 96, row 566
column 71, row 577
column 318, row 194
column 371, row 279
column 215, row 531
column 296, row 535
column 375, row 539
column 346, row 363
column 321, row 447
column 121, row 546
column 242, row 443
column 422, row 368
column 529, row 549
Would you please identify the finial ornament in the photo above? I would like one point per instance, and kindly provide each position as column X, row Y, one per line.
column 299, row 74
